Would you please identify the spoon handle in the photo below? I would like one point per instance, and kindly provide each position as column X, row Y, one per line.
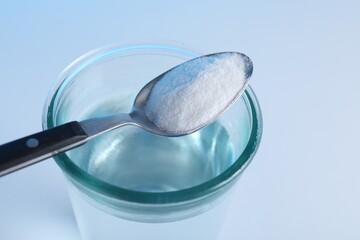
column 39, row 146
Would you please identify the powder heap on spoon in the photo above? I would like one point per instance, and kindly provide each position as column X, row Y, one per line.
column 201, row 90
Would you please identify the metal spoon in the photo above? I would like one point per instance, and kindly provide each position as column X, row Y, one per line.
column 34, row 148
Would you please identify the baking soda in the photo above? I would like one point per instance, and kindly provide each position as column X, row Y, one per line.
column 193, row 94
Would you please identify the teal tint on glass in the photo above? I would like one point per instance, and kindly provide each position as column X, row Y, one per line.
column 131, row 174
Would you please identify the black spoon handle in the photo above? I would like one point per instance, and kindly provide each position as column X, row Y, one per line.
column 39, row 146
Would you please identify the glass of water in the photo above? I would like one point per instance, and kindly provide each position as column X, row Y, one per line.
column 130, row 184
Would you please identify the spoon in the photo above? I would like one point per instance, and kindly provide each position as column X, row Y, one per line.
column 39, row 146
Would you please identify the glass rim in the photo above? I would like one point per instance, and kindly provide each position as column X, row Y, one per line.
column 199, row 191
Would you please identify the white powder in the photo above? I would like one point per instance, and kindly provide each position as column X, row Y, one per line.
column 193, row 94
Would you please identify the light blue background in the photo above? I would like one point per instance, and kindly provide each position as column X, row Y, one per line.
column 304, row 182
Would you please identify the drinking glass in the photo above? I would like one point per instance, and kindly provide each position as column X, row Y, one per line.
column 130, row 184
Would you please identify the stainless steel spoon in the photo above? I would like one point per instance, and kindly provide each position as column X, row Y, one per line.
column 34, row 148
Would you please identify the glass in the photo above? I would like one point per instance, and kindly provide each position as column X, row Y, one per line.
column 130, row 184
